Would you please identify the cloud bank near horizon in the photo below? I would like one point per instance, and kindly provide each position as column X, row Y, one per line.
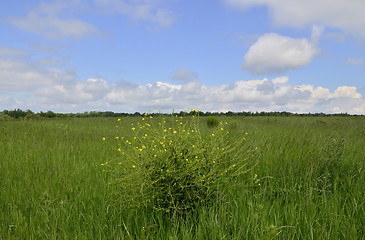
column 42, row 87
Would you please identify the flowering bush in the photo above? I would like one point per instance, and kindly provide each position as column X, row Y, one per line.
column 168, row 164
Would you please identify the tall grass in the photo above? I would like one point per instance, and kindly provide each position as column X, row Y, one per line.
column 309, row 184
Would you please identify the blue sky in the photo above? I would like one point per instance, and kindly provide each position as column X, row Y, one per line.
column 219, row 55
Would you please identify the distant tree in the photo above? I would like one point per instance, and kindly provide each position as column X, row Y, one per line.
column 48, row 114
column 16, row 113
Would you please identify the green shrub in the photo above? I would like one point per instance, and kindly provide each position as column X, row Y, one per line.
column 166, row 164
column 212, row 121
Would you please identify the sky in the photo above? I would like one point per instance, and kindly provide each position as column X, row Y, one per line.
column 212, row 55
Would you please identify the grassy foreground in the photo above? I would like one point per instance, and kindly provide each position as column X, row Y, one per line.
column 309, row 185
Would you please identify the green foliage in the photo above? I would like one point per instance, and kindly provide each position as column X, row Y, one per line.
column 53, row 187
column 4, row 116
column 48, row 114
column 17, row 113
column 168, row 164
column 212, row 121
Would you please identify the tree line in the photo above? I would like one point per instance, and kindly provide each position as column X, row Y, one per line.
column 18, row 113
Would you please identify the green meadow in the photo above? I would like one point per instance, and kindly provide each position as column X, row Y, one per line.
column 308, row 182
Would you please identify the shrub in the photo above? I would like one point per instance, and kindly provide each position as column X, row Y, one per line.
column 212, row 121
column 167, row 164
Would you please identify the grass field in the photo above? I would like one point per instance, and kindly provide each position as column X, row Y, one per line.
column 310, row 183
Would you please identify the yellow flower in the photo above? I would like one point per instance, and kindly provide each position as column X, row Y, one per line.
column 119, row 119
column 191, row 109
column 133, row 166
column 133, row 129
column 212, row 134
column 104, row 138
column 175, row 132
column 117, row 138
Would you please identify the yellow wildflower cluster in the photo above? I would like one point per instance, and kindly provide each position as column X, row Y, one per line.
column 162, row 148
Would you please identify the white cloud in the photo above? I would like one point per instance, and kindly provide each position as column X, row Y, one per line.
column 343, row 14
column 6, row 52
column 17, row 75
column 78, row 92
column 355, row 61
column 184, row 75
column 55, row 19
column 138, row 10
column 30, row 86
column 254, row 95
column 19, row 72
column 275, row 54
column 55, row 27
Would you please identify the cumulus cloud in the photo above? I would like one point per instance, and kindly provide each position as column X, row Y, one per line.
column 343, row 14
column 253, row 95
column 40, row 88
column 18, row 75
column 275, row 54
column 78, row 92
